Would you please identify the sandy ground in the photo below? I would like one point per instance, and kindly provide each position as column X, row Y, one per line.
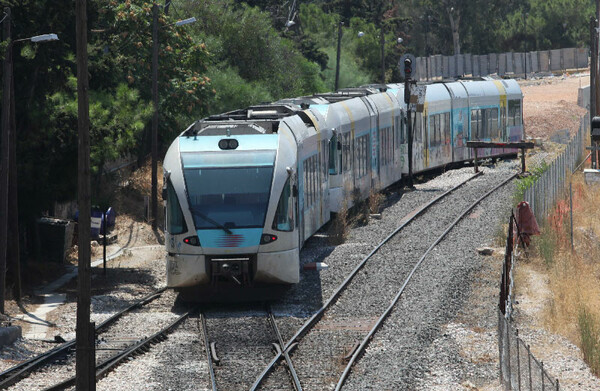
column 550, row 104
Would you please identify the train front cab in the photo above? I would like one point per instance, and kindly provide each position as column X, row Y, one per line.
column 231, row 216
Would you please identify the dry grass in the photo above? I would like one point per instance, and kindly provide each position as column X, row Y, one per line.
column 375, row 201
column 339, row 228
column 574, row 275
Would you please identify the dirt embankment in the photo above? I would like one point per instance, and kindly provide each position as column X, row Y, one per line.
column 550, row 105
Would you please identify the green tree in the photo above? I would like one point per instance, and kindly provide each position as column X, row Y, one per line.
column 243, row 40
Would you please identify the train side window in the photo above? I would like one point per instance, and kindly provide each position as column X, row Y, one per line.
column 474, row 123
column 503, row 123
column 324, row 160
column 333, row 153
column 438, row 129
column 305, row 182
column 495, row 128
column 284, row 214
column 514, row 112
column 383, row 146
column 403, row 135
column 346, row 151
column 416, row 127
column 447, row 128
column 175, row 220
column 518, row 119
column 432, row 125
column 313, row 177
column 392, row 146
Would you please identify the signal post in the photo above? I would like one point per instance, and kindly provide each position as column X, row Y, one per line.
column 407, row 71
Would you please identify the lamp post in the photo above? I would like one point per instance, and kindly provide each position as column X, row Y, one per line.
column 155, row 45
column 8, row 192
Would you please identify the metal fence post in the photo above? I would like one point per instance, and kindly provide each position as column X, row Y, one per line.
column 529, row 365
column 508, row 352
column 542, row 369
column 518, row 360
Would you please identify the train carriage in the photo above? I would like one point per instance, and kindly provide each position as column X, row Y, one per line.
column 244, row 190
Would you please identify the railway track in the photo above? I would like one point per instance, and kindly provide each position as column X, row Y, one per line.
column 237, row 347
column 336, row 340
column 234, row 345
column 62, row 356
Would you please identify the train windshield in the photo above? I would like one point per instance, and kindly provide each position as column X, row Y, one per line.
column 228, row 189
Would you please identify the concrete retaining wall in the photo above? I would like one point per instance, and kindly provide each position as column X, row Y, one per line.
column 558, row 60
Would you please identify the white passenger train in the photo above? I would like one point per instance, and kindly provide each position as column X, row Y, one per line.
column 245, row 189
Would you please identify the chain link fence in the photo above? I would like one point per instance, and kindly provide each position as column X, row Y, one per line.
column 550, row 186
column 519, row 369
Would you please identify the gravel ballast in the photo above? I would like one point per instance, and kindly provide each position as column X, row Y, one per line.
column 439, row 336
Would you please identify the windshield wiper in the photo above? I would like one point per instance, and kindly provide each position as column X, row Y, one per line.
column 197, row 212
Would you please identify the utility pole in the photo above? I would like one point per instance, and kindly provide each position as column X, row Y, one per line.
column 525, row 36
column 382, row 39
column 155, row 116
column 337, row 62
column 596, row 85
column 85, row 366
column 4, row 152
column 13, row 201
column 409, row 131
column 593, row 85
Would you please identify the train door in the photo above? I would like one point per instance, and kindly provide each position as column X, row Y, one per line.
column 373, row 146
column 420, row 151
column 400, row 146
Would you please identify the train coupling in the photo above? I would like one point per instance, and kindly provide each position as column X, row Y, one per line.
column 237, row 270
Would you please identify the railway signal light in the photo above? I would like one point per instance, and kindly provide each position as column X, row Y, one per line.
column 407, row 68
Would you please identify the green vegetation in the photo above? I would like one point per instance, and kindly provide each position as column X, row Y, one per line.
column 236, row 54
column 526, row 182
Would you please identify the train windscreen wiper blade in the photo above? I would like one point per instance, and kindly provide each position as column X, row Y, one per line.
column 197, row 212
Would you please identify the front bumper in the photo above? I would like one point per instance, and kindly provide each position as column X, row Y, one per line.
column 280, row 267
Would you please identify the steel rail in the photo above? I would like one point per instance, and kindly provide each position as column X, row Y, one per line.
column 288, row 360
column 333, row 298
column 382, row 318
column 211, row 369
column 139, row 347
column 14, row 374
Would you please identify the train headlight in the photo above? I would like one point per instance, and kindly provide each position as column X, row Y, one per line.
column 228, row 143
column 192, row 241
column 267, row 238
